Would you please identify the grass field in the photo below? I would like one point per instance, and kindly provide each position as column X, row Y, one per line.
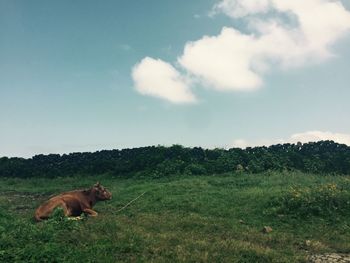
column 181, row 219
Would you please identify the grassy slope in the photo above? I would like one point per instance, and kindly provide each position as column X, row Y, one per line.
column 192, row 219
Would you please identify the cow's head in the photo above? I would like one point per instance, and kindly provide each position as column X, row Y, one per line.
column 101, row 192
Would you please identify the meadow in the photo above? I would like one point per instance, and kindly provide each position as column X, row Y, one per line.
column 209, row 218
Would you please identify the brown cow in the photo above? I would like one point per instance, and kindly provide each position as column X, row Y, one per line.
column 74, row 203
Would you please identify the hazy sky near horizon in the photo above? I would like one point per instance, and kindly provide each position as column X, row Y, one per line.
column 89, row 75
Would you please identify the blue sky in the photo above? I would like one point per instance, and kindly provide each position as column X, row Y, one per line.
column 93, row 75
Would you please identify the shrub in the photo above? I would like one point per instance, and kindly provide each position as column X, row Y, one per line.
column 195, row 169
column 169, row 167
column 325, row 200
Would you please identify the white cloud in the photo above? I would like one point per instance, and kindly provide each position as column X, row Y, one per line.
column 314, row 136
column 239, row 143
column 304, row 137
column 234, row 60
column 282, row 33
column 157, row 78
column 223, row 61
column 242, row 143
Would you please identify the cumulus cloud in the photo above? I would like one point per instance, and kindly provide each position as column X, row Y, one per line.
column 236, row 60
column 157, row 78
column 222, row 65
column 281, row 33
column 304, row 137
column 320, row 23
column 314, row 136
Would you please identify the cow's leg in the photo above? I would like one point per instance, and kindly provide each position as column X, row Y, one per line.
column 66, row 210
column 90, row 212
column 45, row 210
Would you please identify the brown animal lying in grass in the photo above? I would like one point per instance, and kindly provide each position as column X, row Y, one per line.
column 74, row 203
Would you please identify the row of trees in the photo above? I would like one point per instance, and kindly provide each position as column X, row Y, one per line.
column 158, row 161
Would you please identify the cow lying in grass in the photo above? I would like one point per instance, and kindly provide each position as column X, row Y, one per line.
column 74, row 203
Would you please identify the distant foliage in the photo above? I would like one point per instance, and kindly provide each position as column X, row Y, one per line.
column 159, row 161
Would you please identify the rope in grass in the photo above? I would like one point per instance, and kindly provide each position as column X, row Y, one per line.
column 125, row 206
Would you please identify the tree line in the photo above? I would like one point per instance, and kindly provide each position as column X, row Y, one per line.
column 325, row 157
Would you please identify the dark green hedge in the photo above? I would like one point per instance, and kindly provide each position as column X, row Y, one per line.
column 320, row 157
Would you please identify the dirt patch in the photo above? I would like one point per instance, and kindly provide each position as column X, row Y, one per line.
column 21, row 202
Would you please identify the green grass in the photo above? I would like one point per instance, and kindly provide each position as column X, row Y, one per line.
column 181, row 219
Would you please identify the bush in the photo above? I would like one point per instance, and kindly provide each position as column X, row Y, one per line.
column 325, row 200
column 169, row 167
column 195, row 169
